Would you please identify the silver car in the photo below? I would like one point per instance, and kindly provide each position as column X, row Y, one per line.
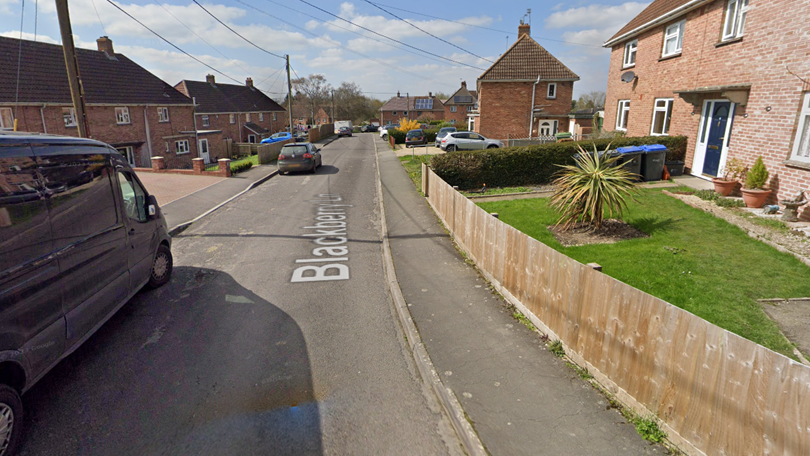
column 468, row 140
column 442, row 133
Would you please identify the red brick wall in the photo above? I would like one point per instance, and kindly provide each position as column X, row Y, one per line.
column 776, row 37
column 460, row 116
column 505, row 107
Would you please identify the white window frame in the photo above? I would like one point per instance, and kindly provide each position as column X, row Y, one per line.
column 247, row 117
column 232, row 118
column 734, row 22
column 206, row 121
column 163, row 114
column 394, row 113
column 69, row 117
column 674, row 32
column 551, row 91
column 8, row 114
column 622, row 115
column 122, row 116
column 453, row 109
column 274, row 116
column 630, row 50
column 666, row 109
column 801, row 143
column 261, row 117
column 181, row 147
column 252, row 139
column 469, row 108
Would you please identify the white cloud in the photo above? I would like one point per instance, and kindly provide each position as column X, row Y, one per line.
column 29, row 36
column 591, row 37
column 603, row 16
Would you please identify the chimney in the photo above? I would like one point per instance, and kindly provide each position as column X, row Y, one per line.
column 209, row 78
column 398, row 95
column 430, row 94
column 249, row 82
column 105, row 46
column 524, row 29
column 464, row 84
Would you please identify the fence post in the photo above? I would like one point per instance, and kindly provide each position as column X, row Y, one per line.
column 425, row 180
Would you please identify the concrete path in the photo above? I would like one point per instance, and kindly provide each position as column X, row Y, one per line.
column 168, row 187
column 520, row 398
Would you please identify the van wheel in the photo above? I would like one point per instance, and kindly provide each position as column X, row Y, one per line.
column 161, row 270
column 11, row 420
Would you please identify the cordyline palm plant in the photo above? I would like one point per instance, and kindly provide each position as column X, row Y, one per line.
column 595, row 185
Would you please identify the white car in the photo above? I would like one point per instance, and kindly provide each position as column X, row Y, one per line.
column 468, row 140
column 384, row 132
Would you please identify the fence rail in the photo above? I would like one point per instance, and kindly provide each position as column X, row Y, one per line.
column 715, row 392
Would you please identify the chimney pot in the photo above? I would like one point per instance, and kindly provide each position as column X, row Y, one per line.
column 105, row 45
column 210, row 79
column 249, row 82
column 464, row 84
column 398, row 95
column 524, row 29
column 430, row 94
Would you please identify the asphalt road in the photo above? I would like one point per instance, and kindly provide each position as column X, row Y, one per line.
column 244, row 353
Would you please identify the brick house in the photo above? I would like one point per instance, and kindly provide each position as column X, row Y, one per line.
column 322, row 118
column 732, row 75
column 411, row 107
column 462, row 104
column 585, row 122
column 243, row 113
column 127, row 106
column 526, row 73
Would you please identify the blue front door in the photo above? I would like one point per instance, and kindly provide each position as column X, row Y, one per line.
column 720, row 117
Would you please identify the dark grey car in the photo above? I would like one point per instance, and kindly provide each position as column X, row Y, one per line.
column 299, row 157
column 79, row 236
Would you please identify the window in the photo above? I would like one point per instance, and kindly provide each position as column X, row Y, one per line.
column 6, row 119
column 630, row 53
column 122, row 116
column 181, row 147
column 735, row 19
column 206, row 121
column 621, row 116
column 69, row 116
column 673, row 39
column 801, row 144
column 129, row 153
column 261, row 117
column 232, row 118
column 452, row 109
column 662, row 115
column 394, row 113
column 247, row 117
column 404, row 113
column 274, row 117
column 469, row 109
column 163, row 114
column 552, row 91
column 134, row 197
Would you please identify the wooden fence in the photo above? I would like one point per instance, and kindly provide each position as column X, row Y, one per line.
column 714, row 392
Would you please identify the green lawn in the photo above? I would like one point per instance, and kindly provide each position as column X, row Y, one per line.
column 500, row 191
column 238, row 161
column 414, row 168
column 717, row 273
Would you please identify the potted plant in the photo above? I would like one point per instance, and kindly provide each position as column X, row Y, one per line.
column 731, row 175
column 754, row 191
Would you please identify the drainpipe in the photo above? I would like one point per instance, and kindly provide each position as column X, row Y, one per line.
column 42, row 114
column 531, row 110
column 194, row 117
column 148, row 136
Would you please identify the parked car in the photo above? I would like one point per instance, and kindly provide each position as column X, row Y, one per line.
column 467, row 140
column 368, row 128
column 69, row 259
column 277, row 137
column 299, row 157
column 301, row 137
column 415, row 138
column 344, row 131
column 384, row 132
column 442, row 133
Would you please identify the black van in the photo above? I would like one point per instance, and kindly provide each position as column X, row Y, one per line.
column 79, row 236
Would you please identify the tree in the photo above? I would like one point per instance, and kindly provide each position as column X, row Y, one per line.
column 313, row 91
column 590, row 100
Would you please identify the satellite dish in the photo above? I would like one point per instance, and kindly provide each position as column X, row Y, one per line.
column 628, row 76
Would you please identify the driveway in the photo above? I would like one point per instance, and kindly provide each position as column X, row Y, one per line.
column 169, row 187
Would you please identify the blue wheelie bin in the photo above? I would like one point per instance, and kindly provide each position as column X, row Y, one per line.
column 632, row 156
column 652, row 162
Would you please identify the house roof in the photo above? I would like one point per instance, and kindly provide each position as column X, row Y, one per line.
column 43, row 77
column 256, row 128
column 462, row 92
column 526, row 60
column 657, row 12
column 227, row 98
column 403, row 104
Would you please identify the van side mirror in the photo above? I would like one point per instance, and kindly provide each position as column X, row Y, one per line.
column 151, row 207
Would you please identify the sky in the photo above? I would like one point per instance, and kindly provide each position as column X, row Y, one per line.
column 383, row 46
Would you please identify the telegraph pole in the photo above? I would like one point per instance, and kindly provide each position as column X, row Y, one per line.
column 289, row 94
column 333, row 106
column 72, row 65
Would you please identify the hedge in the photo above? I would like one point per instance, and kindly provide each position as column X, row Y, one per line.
column 531, row 165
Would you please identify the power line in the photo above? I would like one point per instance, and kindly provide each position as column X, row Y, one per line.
column 426, row 32
column 485, row 28
column 237, row 33
column 169, row 42
column 99, row 17
column 389, row 38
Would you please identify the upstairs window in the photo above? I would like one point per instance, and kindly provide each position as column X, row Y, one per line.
column 673, row 39
column 122, row 116
column 801, row 144
column 232, row 118
column 274, row 117
column 621, row 116
column 552, row 91
column 69, row 116
column 247, row 117
column 734, row 26
column 206, row 121
column 163, row 114
column 469, row 109
column 261, row 117
column 630, row 53
column 453, row 109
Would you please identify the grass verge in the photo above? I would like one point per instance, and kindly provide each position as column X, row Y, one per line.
column 500, row 191
column 414, row 168
column 692, row 259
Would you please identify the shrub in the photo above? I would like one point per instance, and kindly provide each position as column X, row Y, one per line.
column 240, row 167
column 528, row 165
column 757, row 176
column 407, row 124
column 398, row 135
column 729, row 202
column 707, row 195
column 594, row 186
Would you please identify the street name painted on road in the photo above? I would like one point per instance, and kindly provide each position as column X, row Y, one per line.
column 330, row 235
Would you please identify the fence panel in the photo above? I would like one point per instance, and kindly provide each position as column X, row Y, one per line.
column 715, row 392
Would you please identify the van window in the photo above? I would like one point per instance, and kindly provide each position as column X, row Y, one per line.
column 80, row 192
column 134, row 197
column 24, row 231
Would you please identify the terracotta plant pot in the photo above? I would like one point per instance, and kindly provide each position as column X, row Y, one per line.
column 724, row 187
column 754, row 197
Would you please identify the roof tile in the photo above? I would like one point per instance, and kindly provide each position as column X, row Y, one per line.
column 226, row 98
column 525, row 60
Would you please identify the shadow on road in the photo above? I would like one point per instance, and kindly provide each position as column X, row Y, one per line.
column 199, row 366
